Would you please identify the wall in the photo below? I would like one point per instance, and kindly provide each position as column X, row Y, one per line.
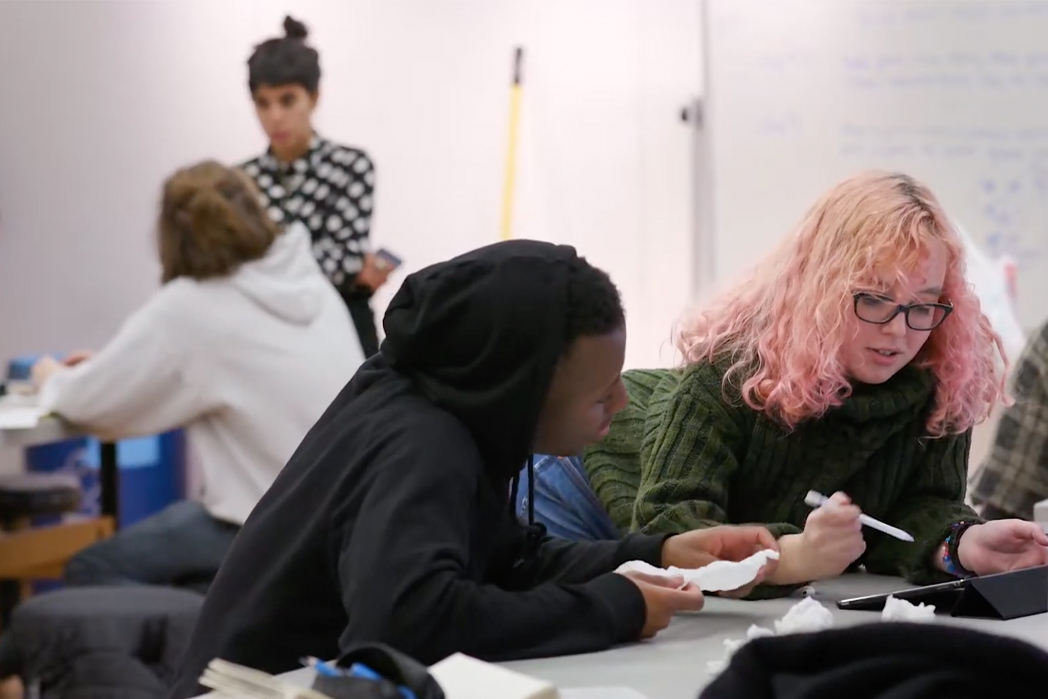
column 101, row 100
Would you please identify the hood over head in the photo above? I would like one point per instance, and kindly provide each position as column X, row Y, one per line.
column 481, row 334
column 286, row 281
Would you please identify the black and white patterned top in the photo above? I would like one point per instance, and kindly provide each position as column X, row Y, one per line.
column 329, row 189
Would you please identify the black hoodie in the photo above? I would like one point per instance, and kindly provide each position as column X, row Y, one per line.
column 392, row 522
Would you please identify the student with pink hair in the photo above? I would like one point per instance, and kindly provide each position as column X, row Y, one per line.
column 854, row 360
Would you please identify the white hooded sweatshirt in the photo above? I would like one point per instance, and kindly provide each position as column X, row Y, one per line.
column 246, row 363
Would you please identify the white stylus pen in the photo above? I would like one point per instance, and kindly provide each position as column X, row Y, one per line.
column 814, row 499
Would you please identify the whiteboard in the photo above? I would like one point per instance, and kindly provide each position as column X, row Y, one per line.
column 803, row 93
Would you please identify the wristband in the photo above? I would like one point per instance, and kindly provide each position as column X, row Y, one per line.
column 950, row 557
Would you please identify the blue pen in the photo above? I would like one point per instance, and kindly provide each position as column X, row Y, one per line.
column 362, row 670
column 355, row 670
column 321, row 667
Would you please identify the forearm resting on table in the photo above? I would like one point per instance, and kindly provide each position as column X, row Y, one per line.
column 794, row 567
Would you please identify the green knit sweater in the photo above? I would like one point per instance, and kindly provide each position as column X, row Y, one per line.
column 684, row 456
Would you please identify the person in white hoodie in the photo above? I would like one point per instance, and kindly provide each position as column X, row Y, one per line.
column 245, row 346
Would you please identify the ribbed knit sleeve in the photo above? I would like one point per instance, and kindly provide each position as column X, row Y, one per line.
column 613, row 465
column 691, row 449
column 932, row 500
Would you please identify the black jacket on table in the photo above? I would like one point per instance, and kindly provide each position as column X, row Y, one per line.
column 392, row 521
column 884, row 661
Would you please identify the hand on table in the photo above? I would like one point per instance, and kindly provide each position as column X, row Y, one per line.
column 1003, row 545
column 43, row 369
column 77, row 357
column 664, row 597
column 46, row 367
column 701, row 547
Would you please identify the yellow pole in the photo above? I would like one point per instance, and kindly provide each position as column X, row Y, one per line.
column 511, row 155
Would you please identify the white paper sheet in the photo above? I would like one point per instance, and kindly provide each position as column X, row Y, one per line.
column 601, row 693
column 19, row 417
column 465, row 677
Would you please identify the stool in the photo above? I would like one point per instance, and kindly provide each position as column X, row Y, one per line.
column 32, row 553
column 102, row 642
column 27, row 495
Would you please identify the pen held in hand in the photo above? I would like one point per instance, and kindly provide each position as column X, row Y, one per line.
column 814, row 499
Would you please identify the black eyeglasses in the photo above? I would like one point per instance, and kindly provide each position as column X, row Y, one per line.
column 919, row 316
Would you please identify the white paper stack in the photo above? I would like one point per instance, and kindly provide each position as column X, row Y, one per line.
column 601, row 693
column 463, row 677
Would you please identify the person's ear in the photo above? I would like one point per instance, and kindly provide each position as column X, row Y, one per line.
column 314, row 97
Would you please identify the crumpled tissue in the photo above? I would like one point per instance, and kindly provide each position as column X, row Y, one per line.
column 718, row 576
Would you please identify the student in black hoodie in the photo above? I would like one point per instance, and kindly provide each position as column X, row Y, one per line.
column 393, row 521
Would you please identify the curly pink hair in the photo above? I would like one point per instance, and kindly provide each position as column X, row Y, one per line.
column 784, row 325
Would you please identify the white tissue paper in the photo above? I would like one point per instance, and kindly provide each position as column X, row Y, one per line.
column 896, row 609
column 721, row 576
column 758, row 632
column 731, row 645
column 809, row 615
column 644, row 567
column 806, row 615
column 718, row 576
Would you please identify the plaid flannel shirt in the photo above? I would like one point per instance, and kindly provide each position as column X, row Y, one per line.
column 1014, row 476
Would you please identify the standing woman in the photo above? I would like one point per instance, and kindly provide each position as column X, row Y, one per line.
column 304, row 177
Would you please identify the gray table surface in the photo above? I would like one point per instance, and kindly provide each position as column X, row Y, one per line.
column 673, row 665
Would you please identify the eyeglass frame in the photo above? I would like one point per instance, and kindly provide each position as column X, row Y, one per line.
column 904, row 308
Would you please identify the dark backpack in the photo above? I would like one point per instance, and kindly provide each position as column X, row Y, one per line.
column 103, row 642
column 395, row 670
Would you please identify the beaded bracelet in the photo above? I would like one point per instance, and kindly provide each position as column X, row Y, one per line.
column 950, row 558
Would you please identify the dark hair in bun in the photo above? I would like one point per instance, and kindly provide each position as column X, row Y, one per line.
column 287, row 60
column 293, row 29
